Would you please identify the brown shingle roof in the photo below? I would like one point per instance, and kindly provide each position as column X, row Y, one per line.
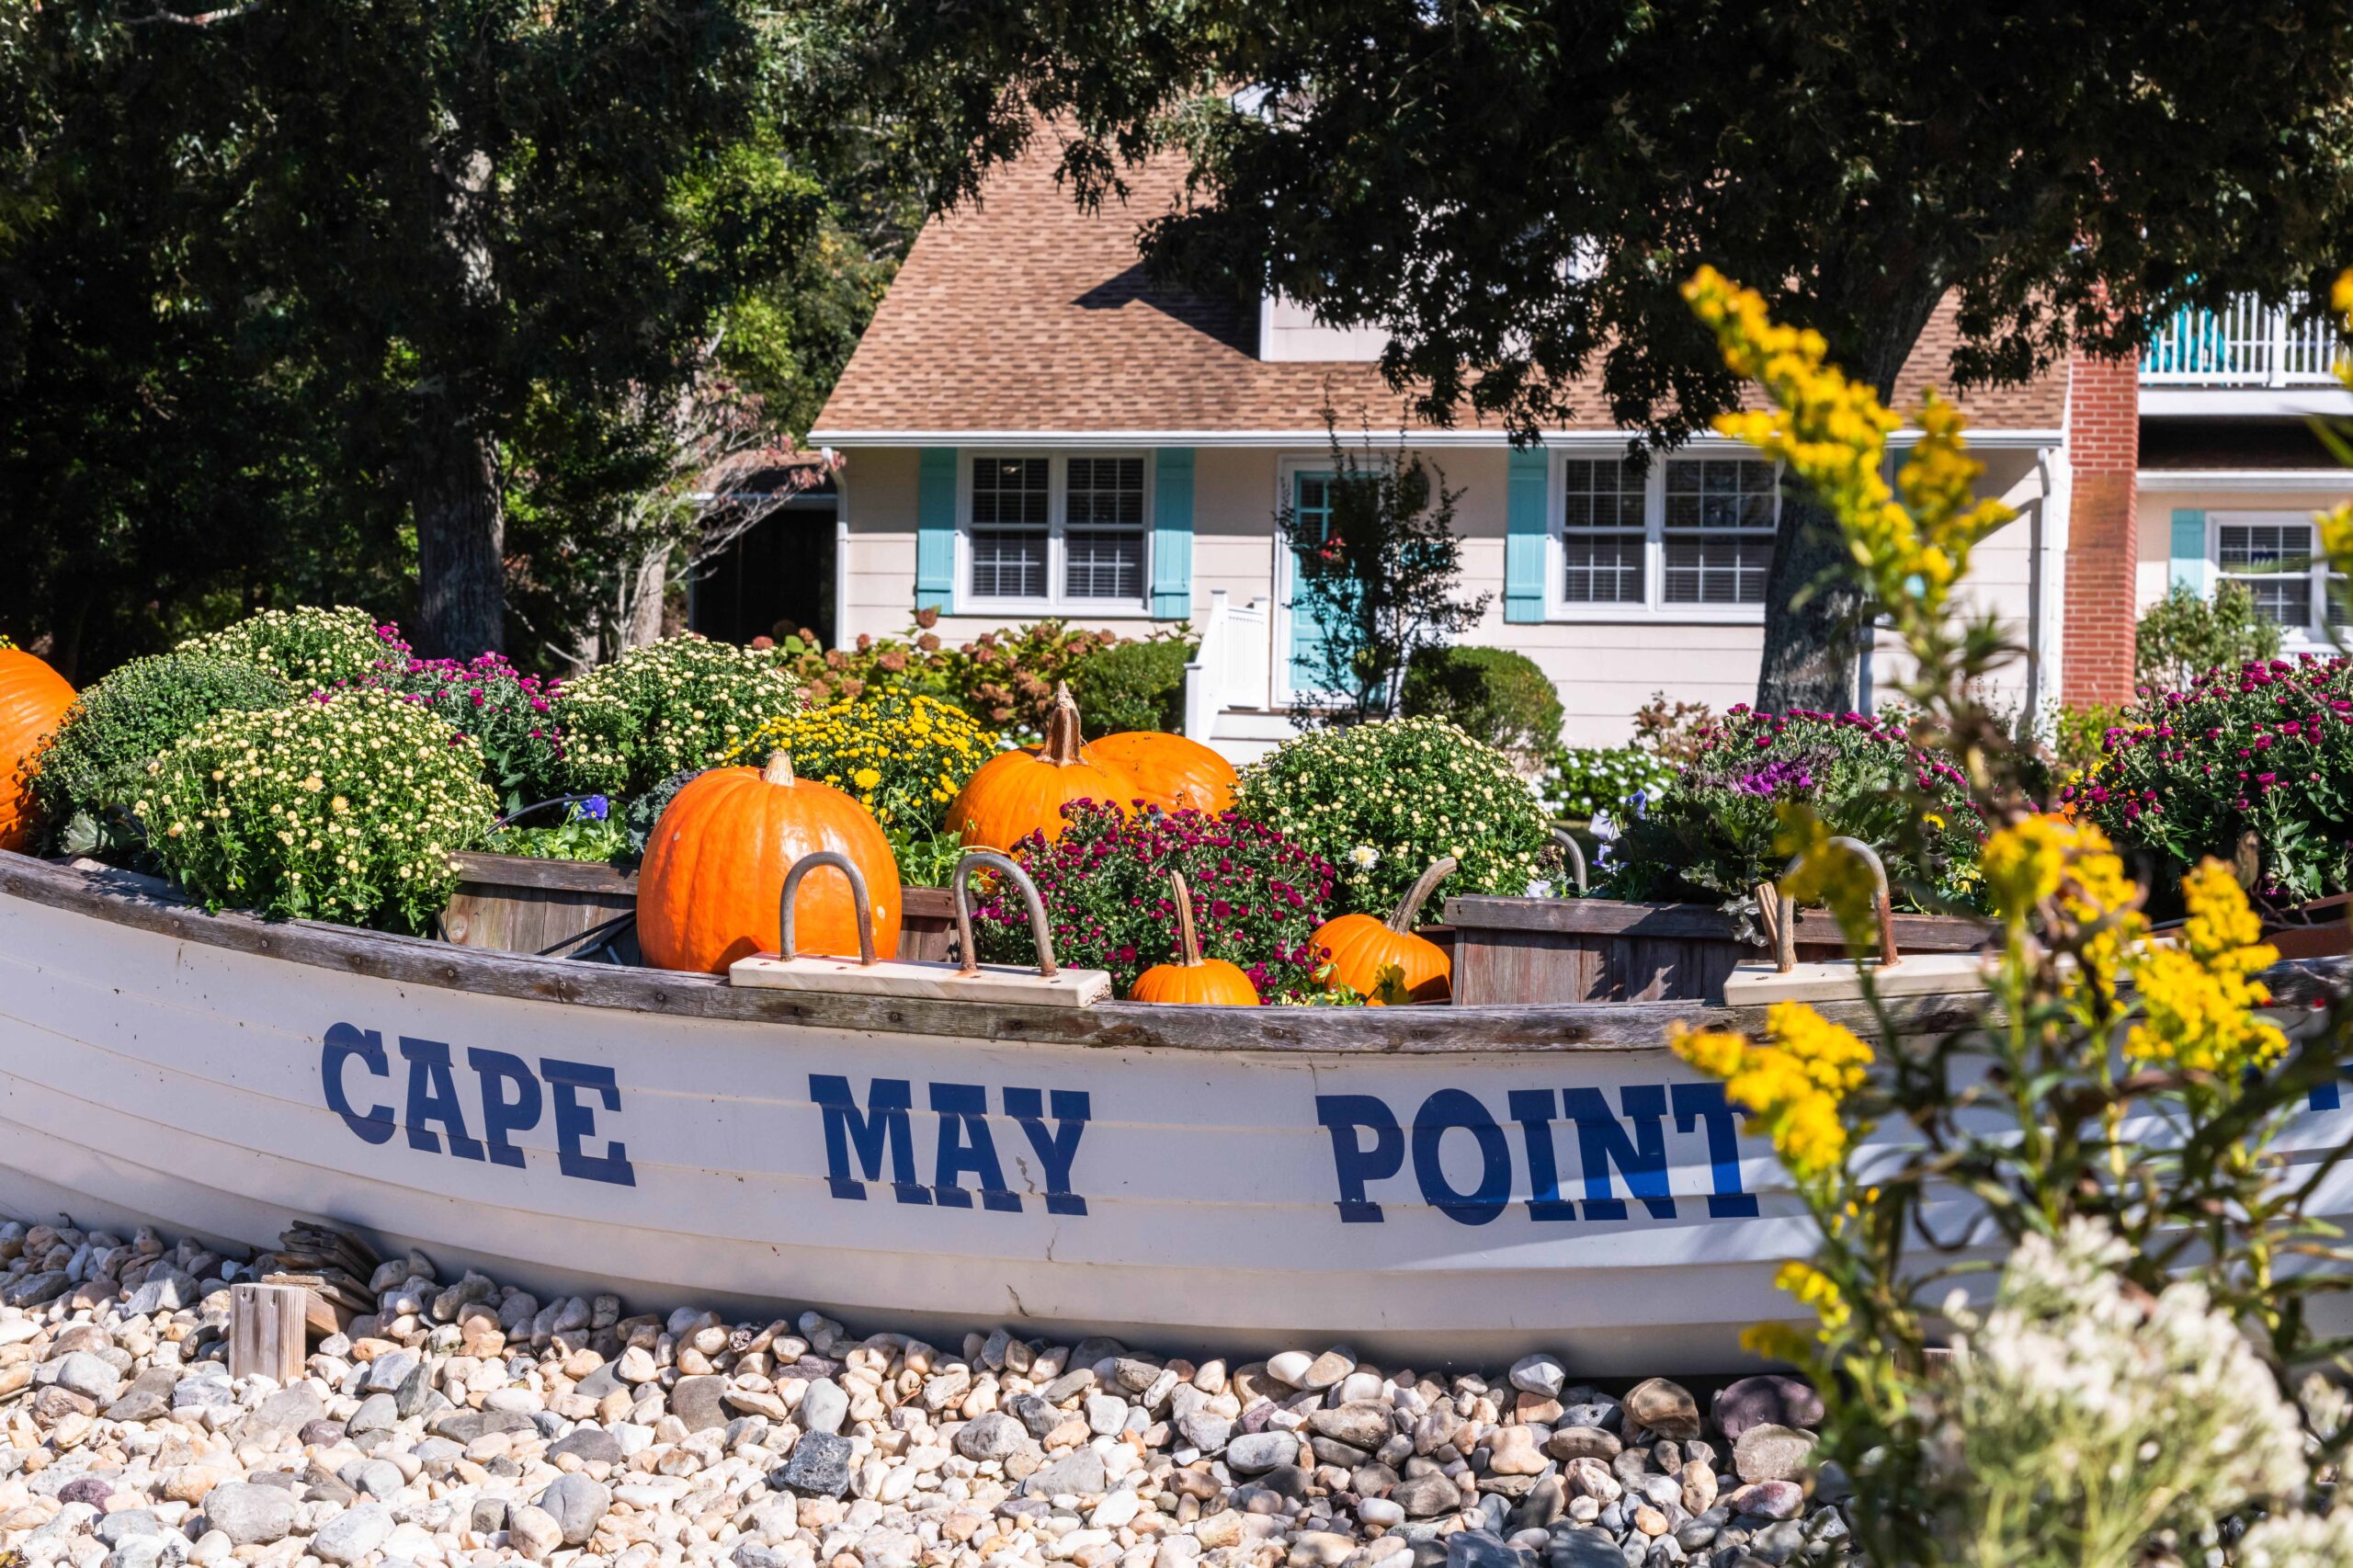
column 1024, row 314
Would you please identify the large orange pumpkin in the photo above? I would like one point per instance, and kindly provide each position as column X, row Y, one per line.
column 1202, row 982
column 1362, row 947
column 33, row 698
column 714, row 870
column 1021, row 792
column 1170, row 771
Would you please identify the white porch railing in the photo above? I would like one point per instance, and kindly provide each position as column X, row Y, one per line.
column 1230, row 668
column 2245, row 344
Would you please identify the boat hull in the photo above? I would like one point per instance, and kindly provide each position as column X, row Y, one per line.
column 1442, row 1203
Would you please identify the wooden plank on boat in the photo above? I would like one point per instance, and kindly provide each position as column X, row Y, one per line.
column 538, row 871
column 1758, row 983
column 940, row 982
column 1605, row 916
column 268, row 1329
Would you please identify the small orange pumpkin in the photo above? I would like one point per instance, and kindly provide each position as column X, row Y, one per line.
column 715, row 866
column 1171, row 772
column 1362, row 947
column 1201, row 981
column 1021, row 792
column 33, row 700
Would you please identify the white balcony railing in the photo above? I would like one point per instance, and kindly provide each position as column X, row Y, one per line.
column 2245, row 344
column 1230, row 668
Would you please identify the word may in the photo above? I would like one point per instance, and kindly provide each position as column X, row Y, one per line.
column 511, row 1097
column 1604, row 1144
column 965, row 1147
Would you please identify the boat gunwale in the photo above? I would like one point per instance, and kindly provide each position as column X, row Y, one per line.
column 1350, row 1031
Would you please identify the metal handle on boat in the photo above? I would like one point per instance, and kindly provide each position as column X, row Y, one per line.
column 959, row 887
column 1568, row 841
column 1785, row 917
column 801, row 868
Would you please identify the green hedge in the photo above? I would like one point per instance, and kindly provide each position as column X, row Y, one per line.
column 1492, row 694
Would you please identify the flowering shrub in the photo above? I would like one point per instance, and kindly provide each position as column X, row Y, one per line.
column 683, row 702
column 2265, row 748
column 510, row 714
column 1256, row 896
column 1583, row 783
column 1711, row 829
column 340, row 807
column 95, row 765
column 313, row 648
column 903, row 757
column 1381, row 801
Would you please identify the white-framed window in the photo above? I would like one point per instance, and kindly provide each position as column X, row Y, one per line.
column 2275, row 557
column 1691, row 539
column 1044, row 532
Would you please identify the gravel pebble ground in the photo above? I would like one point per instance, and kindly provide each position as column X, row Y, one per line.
column 465, row 1422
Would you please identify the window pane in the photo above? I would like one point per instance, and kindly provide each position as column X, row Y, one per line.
column 1720, row 492
column 1607, row 495
column 1010, row 491
column 1717, row 569
column 1099, row 564
column 1106, row 491
column 1604, row 569
column 2273, row 563
column 1009, row 564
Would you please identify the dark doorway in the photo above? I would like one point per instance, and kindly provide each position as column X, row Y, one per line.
column 777, row 578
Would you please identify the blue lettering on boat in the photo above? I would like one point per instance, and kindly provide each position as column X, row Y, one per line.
column 512, row 1094
column 865, row 1141
column 1625, row 1143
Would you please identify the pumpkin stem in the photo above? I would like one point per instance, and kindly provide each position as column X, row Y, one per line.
column 1188, row 941
column 1061, row 747
column 1402, row 919
column 779, row 767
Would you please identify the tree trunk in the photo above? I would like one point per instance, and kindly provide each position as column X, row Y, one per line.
column 1814, row 626
column 460, row 536
column 643, row 596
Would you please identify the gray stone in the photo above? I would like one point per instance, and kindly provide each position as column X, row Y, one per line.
column 164, row 1291
column 1033, row 1412
column 1206, row 1431
column 1769, row 1452
column 33, row 1290
column 1480, row 1549
column 415, row 1392
column 700, row 1402
column 376, row 1412
column 593, row 1445
column 819, row 1466
column 250, row 1515
column 605, row 1380
column 1364, row 1424
column 281, row 1415
column 577, row 1503
column 823, row 1405
column 1540, row 1374
column 388, row 1371
column 1426, row 1496
column 122, row 1525
column 488, row 1516
column 753, row 1554
column 1079, row 1474
column 991, row 1435
column 201, row 1390
column 82, row 1373
column 1256, row 1451
column 373, row 1478
column 148, row 1397
column 354, row 1533
column 1604, row 1415
column 143, row 1552
column 1768, row 1399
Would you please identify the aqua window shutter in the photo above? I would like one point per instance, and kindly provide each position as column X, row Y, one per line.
column 1527, row 535
column 936, row 528
column 1172, row 533
column 2190, row 567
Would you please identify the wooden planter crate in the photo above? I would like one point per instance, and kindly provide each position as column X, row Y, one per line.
column 1591, row 949
column 521, row 904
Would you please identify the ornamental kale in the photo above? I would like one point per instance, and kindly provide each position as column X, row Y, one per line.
column 1257, row 897
column 1710, row 828
column 2264, row 749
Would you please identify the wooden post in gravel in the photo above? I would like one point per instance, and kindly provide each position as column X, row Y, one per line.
column 267, row 1326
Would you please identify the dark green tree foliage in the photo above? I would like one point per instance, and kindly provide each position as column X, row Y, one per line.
column 1492, row 694
column 1516, row 189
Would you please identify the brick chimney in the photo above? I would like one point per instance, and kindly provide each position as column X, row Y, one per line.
column 2103, row 534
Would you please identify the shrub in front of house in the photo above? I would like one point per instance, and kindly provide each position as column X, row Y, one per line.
column 95, row 765
column 315, row 649
column 2265, row 748
column 1134, row 686
column 1710, row 833
column 1381, row 801
column 346, row 807
column 1258, row 896
column 683, row 702
column 1493, row 694
column 1590, row 783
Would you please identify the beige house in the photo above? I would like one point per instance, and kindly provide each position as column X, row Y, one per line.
column 1028, row 428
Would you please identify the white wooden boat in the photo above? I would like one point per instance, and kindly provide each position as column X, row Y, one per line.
column 1457, row 1184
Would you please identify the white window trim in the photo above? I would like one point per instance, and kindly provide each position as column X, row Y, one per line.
column 1056, row 602
column 1656, row 611
column 2314, row 639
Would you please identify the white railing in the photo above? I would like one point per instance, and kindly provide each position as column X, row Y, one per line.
column 1230, row 668
column 2245, row 344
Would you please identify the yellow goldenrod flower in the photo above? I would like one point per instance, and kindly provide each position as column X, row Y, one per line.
column 1796, row 1084
column 2198, row 998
